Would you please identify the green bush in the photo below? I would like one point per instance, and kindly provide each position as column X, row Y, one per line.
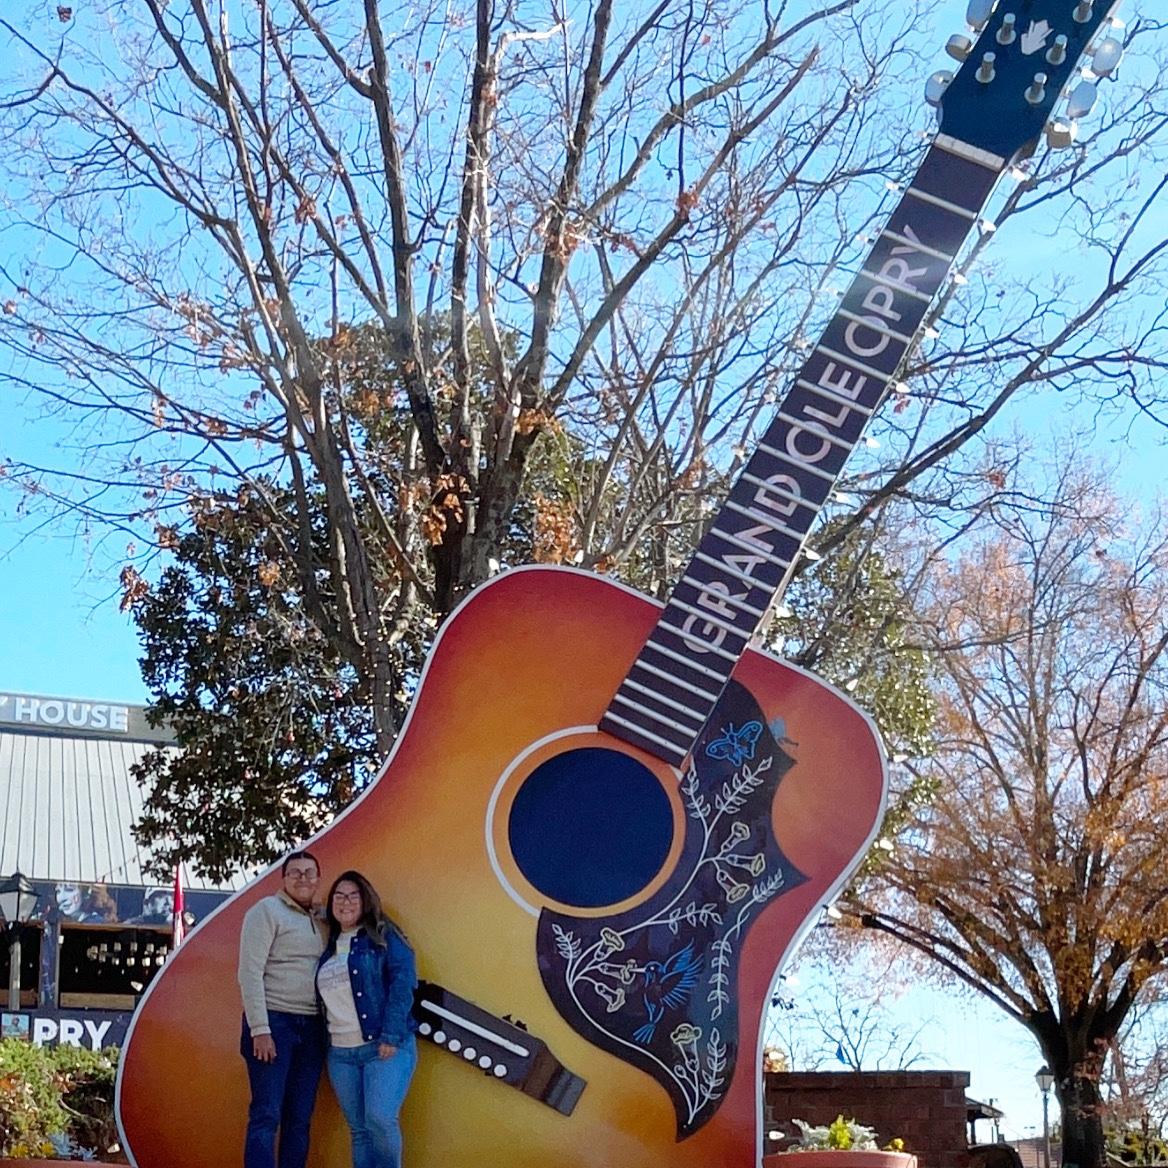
column 30, row 1101
column 55, row 1098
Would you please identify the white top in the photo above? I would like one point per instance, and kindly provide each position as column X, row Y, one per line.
column 332, row 980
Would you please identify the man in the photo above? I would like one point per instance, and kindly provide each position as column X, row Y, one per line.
column 157, row 908
column 283, row 1039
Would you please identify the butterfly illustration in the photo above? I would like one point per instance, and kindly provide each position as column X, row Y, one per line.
column 736, row 744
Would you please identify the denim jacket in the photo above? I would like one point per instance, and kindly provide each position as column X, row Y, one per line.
column 383, row 979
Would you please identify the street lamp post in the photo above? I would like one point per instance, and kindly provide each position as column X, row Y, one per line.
column 18, row 901
column 1045, row 1081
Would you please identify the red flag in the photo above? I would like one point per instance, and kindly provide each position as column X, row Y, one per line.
column 177, row 920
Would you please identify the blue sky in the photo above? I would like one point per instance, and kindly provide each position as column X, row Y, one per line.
column 957, row 1031
column 60, row 629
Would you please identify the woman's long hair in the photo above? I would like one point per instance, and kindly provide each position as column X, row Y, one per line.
column 373, row 919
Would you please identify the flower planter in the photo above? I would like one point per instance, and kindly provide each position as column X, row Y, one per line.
column 835, row 1158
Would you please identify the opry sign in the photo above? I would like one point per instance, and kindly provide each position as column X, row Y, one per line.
column 90, row 1029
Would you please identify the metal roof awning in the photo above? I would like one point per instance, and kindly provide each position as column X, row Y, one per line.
column 67, row 797
column 975, row 1110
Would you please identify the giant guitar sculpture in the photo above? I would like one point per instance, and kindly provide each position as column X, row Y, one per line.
column 607, row 822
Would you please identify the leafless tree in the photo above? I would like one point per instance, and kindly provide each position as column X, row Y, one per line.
column 243, row 235
column 844, row 1016
column 1035, row 874
column 1135, row 1080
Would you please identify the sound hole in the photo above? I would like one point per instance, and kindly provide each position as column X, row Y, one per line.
column 590, row 827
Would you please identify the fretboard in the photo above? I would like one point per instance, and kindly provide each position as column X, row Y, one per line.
column 748, row 554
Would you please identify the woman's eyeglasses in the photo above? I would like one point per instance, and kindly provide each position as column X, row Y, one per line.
column 347, row 897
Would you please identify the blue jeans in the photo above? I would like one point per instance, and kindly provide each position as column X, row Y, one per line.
column 371, row 1091
column 283, row 1092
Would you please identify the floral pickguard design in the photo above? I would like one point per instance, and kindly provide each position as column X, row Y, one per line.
column 657, row 985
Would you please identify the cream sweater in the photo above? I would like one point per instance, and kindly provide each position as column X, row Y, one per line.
column 279, row 946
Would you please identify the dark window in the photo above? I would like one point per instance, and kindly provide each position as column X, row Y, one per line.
column 108, row 966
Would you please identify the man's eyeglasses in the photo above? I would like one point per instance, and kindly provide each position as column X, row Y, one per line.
column 301, row 874
column 347, row 897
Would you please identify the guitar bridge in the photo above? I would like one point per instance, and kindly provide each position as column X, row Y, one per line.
column 501, row 1049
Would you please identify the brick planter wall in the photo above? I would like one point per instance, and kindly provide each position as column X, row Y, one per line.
column 926, row 1109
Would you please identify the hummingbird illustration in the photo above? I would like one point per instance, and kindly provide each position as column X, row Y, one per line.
column 668, row 984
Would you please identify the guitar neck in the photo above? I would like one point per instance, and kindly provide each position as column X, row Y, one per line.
column 745, row 559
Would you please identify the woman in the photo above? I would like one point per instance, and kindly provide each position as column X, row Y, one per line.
column 366, row 982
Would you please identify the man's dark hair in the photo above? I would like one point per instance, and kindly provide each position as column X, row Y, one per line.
column 298, row 856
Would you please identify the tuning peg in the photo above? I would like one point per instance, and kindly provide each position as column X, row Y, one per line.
column 985, row 71
column 1006, row 34
column 1036, row 91
column 958, row 47
column 979, row 12
column 1107, row 57
column 1083, row 11
column 1061, row 133
column 1057, row 53
column 936, row 85
column 1082, row 99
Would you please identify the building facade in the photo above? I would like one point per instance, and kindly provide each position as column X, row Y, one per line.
column 102, row 926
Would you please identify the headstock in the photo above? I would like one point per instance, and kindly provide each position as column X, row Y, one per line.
column 1025, row 54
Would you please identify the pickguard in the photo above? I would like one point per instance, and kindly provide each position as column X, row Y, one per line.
column 656, row 986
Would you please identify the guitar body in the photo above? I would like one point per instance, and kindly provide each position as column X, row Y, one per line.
column 450, row 834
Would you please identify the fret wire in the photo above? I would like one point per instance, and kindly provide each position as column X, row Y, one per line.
column 838, row 398
column 673, row 747
column 879, row 329
column 665, row 721
column 771, row 489
column 693, row 689
column 774, row 525
column 736, row 601
column 871, row 370
column 717, row 650
column 944, row 204
column 706, row 618
column 914, row 293
column 816, row 429
column 745, row 577
column 750, row 549
column 923, row 248
column 683, row 659
column 787, row 460
column 628, row 683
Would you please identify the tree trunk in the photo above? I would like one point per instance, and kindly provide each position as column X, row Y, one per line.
column 466, row 564
column 1082, row 1116
column 383, row 684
